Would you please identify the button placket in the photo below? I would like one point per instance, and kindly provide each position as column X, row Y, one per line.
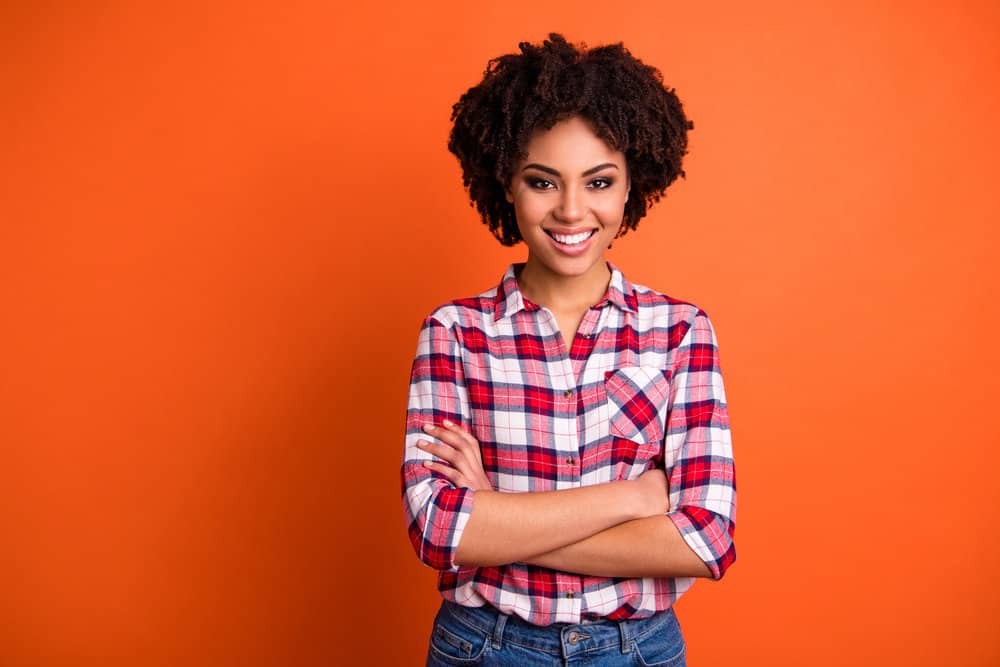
column 570, row 461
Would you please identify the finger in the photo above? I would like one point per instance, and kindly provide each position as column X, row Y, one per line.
column 461, row 440
column 462, row 432
column 444, row 452
column 445, row 470
column 470, row 446
column 457, row 462
column 457, row 459
column 469, row 458
column 448, row 436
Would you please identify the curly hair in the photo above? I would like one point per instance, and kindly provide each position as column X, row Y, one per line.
column 623, row 100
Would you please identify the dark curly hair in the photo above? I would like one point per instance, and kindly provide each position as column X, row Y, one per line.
column 623, row 99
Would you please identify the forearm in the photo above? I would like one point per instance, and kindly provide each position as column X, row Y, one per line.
column 509, row 527
column 646, row 547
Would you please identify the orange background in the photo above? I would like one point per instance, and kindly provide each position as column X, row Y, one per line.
column 222, row 224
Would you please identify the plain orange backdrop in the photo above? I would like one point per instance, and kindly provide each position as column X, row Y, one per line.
column 222, row 223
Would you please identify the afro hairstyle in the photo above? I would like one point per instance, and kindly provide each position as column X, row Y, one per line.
column 624, row 101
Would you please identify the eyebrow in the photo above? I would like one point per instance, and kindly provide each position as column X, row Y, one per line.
column 550, row 170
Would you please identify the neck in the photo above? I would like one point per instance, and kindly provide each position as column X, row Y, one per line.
column 558, row 292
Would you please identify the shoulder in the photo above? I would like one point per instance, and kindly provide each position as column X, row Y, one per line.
column 464, row 311
column 657, row 310
column 680, row 327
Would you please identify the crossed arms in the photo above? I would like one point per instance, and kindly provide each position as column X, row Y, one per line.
column 620, row 528
column 612, row 529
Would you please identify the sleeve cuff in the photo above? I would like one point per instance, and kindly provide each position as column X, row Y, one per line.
column 447, row 527
column 696, row 541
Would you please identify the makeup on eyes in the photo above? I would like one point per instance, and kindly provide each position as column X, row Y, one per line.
column 538, row 183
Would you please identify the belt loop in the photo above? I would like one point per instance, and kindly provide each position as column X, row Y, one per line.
column 498, row 630
column 623, row 628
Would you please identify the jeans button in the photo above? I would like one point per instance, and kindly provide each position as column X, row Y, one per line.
column 573, row 637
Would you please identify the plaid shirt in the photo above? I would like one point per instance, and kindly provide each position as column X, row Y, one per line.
column 641, row 386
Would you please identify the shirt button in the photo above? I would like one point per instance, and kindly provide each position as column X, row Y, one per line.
column 568, row 393
column 570, row 595
column 570, row 462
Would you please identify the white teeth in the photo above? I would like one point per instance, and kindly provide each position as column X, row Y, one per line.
column 572, row 239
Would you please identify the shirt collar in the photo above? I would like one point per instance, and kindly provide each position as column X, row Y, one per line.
column 509, row 299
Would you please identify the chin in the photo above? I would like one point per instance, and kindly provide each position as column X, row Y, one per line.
column 573, row 269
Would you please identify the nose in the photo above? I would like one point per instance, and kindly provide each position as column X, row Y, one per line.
column 571, row 206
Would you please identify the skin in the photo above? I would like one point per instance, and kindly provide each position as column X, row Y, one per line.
column 570, row 181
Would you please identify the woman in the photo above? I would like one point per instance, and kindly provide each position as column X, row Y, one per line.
column 568, row 465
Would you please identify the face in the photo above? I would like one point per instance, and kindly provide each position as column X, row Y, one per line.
column 569, row 197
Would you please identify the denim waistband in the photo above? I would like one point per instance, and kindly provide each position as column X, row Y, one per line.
column 556, row 637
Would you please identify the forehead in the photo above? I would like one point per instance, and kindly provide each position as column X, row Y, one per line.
column 570, row 142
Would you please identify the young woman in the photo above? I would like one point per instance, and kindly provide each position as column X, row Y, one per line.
column 568, row 465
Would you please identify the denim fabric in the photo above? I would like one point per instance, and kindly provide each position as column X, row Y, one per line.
column 484, row 636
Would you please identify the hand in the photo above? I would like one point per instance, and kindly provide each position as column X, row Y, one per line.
column 654, row 491
column 463, row 459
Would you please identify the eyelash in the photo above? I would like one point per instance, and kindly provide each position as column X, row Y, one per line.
column 535, row 183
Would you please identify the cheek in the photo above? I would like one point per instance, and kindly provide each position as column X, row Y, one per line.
column 529, row 210
column 611, row 212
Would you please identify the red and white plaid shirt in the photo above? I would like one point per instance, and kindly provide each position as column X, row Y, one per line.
column 641, row 386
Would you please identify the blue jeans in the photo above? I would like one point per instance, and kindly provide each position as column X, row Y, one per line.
column 485, row 636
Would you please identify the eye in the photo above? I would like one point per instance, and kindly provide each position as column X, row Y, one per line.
column 601, row 183
column 540, row 183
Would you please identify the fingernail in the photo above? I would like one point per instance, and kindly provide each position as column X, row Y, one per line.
column 428, row 463
column 428, row 427
column 447, row 422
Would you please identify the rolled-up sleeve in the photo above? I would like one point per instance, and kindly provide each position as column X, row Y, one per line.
column 436, row 510
column 700, row 455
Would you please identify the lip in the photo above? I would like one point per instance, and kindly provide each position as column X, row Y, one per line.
column 576, row 250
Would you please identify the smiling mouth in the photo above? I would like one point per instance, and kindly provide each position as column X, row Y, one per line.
column 571, row 239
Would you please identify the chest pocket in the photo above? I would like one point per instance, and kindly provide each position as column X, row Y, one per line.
column 637, row 405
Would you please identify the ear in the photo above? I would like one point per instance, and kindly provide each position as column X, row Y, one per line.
column 510, row 197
